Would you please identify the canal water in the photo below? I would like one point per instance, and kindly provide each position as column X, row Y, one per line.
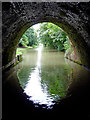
column 46, row 75
column 48, row 81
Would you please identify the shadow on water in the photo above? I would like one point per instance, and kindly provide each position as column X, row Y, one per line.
column 66, row 81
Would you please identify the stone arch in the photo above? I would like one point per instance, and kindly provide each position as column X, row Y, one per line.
column 73, row 18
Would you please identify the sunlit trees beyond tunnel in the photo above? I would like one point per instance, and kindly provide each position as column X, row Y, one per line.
column 49, row 34
column 29, row 38
column 53, row 36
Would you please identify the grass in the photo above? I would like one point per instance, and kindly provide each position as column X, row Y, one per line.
column 20, row 51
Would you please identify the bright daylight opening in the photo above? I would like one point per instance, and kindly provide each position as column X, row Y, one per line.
column 43, row 75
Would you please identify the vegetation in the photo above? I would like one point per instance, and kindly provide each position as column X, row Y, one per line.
column 20, row 51
column 53, row 36
column 49, row 34
column 29, row 38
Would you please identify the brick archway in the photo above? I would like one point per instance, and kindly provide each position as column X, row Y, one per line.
column 73, row 18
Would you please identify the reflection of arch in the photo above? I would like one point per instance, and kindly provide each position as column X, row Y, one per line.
column 18, row 17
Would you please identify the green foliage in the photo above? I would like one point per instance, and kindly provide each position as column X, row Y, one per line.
column 50, row 35
column 20, row 51
column 66, row 44
column 24, row 41
column 29, row 38
column 53, row 36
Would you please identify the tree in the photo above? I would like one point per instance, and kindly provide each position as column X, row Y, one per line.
column 23, row 41
column 29, row 38
column 53, row 36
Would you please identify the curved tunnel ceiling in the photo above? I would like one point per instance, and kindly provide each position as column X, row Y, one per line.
column 73, row 18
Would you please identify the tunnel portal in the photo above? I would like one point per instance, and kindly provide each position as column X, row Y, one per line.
column 73, row 18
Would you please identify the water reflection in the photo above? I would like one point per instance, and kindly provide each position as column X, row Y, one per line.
column 33, row 87
column 47, row 76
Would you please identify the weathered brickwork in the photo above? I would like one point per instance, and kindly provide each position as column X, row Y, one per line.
column 73, row 18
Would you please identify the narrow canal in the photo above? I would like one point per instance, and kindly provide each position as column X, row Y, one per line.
column 46, row 81
column 44, row 76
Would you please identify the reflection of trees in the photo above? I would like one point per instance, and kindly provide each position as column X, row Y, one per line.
column 23, row 75
column 28, row 65
column 79, row 75
column 56, row 79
